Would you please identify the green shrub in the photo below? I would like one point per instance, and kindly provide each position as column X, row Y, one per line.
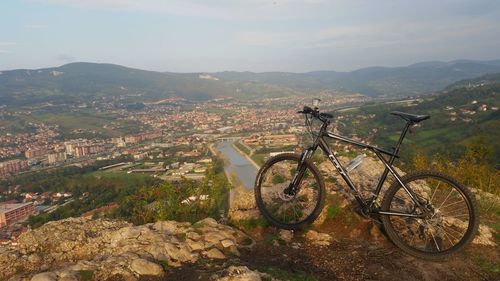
column 333, row 211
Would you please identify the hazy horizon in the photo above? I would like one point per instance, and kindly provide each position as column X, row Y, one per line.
column 229, row 70
column 246, row 35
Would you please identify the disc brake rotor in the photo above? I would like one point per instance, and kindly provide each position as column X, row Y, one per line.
column 285, row 197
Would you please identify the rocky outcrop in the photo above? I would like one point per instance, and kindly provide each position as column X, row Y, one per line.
column 242, row 273
column 103, row 249
column 242, row 205
column 318, row 239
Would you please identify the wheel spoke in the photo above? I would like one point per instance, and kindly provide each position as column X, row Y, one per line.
column 451, row 191
column 448, row 237
column 434, row 193
column 434, row 238
column 459, row 216
column 451, row 204
column 455, row 211
column 456, row 231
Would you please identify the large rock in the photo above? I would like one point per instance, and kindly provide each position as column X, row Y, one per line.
column 365, row 176
column 46, row 276
column 214, row 253
column 242, row 205
column 319, row 239
column 241, row 273
column 286, row 235
column 145, row 267
column 484, row 236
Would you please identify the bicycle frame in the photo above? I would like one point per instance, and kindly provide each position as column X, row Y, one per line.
column 370, row 204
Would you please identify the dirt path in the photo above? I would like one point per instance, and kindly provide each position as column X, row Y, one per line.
column 363, row 256
column 345, row 260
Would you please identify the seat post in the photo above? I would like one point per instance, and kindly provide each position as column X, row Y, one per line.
column 390, row 162
column 400, row 141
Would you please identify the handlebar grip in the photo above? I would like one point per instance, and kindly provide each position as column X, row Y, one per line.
column 307, row 109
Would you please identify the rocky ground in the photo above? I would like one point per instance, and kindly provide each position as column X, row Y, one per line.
column 340, row 245
column 85, row 249
column 343, row 248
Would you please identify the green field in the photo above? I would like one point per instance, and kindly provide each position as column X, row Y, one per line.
column 72, row 124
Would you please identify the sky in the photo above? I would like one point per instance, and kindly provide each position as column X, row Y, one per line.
column 246, row 35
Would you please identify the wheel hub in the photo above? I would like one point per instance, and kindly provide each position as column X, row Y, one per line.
column 285, row 197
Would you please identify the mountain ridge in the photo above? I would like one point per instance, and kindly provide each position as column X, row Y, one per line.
column 80, row 81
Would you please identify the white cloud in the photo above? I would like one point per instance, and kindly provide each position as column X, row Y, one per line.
column 36, row 26
column 5, row 46
column 373, row 35
column 65, row 58
column 222, row 9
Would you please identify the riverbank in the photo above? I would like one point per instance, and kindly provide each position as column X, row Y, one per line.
column 220, row 155
column 239, row 168
column 246, row 156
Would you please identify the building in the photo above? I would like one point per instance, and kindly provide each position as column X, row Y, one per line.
column 282, row 140
column 12, row 167
column 33, row 153
column 140, row 156
column 119, row 142
column 10, row 213
column 56, row 157
column 69, row 147
column 84, row 150
column 132, row 139
column 225, row 130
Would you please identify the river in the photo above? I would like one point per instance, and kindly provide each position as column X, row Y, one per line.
column 238, row 164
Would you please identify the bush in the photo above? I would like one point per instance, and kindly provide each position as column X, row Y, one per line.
column 472, row 169
column 165, row 201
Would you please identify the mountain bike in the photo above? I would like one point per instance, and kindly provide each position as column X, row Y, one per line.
column 425, row 213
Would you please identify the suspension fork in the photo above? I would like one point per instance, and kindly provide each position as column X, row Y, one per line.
column 293, row 187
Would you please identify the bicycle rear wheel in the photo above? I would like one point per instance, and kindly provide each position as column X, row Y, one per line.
column 283, row 210
column 450, row 225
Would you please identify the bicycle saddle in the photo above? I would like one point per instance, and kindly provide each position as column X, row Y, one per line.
column 414, row 118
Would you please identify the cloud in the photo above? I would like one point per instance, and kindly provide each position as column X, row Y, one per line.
column 65, row 58
column 221, row 9
column 4, row 47
column 373, row 35
column 4, row 44
column 36, row 26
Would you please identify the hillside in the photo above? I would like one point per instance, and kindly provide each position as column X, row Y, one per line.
column 83, row 82
column 465, row 113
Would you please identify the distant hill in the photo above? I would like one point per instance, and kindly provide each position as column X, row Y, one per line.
column 81, row 82
column 376, row 81
column 485, row 80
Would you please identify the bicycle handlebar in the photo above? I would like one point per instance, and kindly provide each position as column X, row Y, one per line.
column 322, row 116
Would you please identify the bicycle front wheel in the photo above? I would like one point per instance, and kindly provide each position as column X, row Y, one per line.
column 450, row 224
column 284, row 210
